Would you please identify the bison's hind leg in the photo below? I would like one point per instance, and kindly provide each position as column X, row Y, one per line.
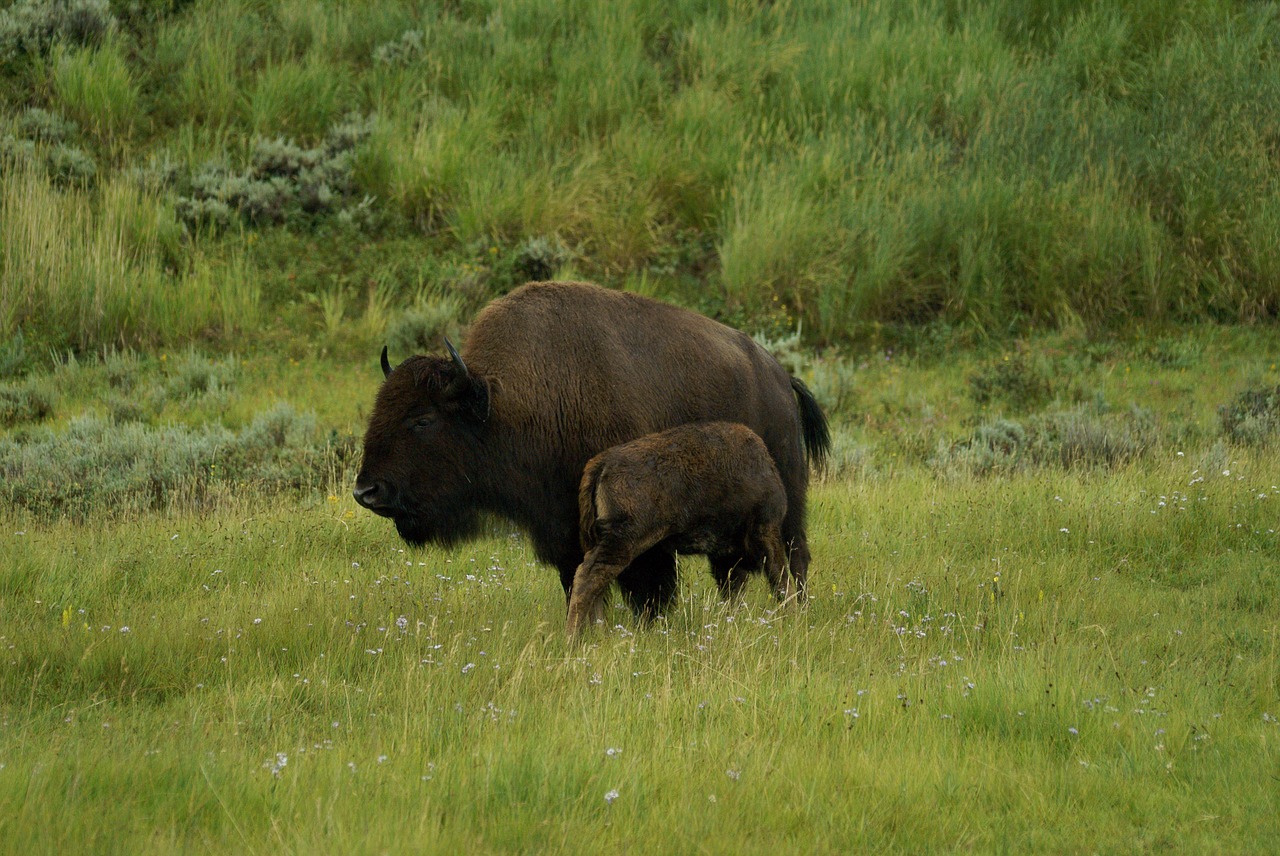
column 601, row 566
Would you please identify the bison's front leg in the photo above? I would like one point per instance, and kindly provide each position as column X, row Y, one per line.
column 775, row 566
column 586, row 599
column 730, row 574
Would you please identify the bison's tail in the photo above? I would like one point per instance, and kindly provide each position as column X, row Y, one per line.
column 587, row 504
column 813, row 423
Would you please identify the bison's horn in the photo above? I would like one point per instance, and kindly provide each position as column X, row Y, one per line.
column 456, row 357
column 386, row 365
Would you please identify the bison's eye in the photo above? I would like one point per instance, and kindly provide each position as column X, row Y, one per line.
column 423, row 421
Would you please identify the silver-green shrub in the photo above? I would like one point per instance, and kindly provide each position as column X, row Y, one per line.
column 283, row 181
column 31, row 27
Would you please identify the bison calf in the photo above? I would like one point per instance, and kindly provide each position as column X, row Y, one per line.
column 709, row 488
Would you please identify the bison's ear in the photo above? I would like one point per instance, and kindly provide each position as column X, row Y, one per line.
column 474, row 400
column 469, row 393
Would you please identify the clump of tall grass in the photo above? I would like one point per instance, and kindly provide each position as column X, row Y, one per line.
column 90, row 266
column 96, row 87
column 101, row 467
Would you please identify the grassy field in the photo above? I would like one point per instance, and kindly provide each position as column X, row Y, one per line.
column 1007, row 648
column 1059, row 663
column 1025, row 252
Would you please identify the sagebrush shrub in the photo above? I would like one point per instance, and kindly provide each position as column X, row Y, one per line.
column 120, row 465
column 1078, row 438
column 13, row 354
column 28, row 401
column 31, row 27
column 538, row 259
column 1253, row 417
column 43, row 126
column 406, row 50
column 45, row 141
column 196, row 375
column 421, row 329
column 1015, row 380
column 283, row 181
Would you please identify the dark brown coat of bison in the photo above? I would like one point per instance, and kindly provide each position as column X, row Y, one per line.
column 551, row 375
column 709, row 488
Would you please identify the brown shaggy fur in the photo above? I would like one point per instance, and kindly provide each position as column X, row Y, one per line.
column 708, row 488
column 556, row 373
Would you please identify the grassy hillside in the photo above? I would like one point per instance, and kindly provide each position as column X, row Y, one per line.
column 177, row 171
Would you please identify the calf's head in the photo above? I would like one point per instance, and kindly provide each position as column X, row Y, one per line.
column 423, row 448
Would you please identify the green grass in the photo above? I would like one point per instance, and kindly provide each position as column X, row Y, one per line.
column 1039, row 664
column 1045, row 658
column 1004, row 167
column 1025, row 252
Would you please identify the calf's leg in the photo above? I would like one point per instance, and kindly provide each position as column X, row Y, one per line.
column 649, row 582
column 601, row 566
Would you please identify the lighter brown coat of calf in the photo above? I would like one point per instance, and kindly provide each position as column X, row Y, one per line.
column 709, row 488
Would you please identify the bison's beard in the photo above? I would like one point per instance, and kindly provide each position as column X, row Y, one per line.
column 442, row 528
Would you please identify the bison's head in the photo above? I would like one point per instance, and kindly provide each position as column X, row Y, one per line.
column 422, row 448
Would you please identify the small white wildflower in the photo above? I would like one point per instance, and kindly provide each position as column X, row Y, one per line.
column 468, row 667
column 733, row 774
column 611, row 795
column 612, row 752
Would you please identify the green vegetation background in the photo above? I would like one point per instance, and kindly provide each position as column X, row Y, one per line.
column 1026, row 253
column 182, row 170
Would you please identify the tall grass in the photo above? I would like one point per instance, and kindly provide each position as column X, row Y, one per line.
column 85, row 265
column 1022, row 664
column 1001, row 165
column 96, row 87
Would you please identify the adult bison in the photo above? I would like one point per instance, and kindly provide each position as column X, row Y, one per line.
column 552, row 374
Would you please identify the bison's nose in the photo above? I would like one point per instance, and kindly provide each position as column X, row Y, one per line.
column 370, row 495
